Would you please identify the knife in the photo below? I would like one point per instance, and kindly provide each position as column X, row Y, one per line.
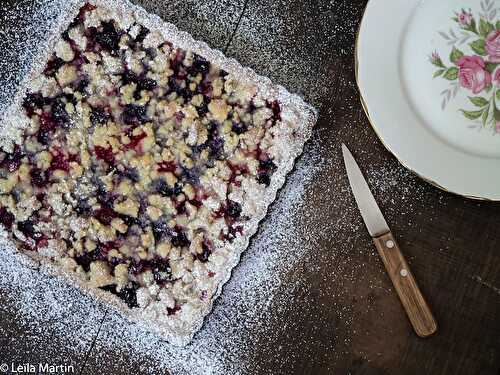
column 411, row 298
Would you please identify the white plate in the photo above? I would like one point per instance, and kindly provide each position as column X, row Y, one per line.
column 444, row 128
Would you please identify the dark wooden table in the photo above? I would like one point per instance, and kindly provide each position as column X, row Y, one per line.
column 452, row 244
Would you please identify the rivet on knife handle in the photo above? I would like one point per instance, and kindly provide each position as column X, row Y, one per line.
column 416, row 307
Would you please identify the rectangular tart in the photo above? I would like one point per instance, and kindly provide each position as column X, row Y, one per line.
column 137, row 163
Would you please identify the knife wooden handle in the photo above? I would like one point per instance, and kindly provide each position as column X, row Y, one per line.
column 413, row 301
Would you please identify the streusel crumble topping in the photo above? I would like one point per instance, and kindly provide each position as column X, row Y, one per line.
column 141, row 162
column 133, row 153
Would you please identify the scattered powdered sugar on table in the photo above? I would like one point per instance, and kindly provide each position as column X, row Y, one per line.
column 224, row 345
column 210, row 21
column 40, row 302
column 24, row 26
column 43, row 302
column 292, row 234
column 290, row 42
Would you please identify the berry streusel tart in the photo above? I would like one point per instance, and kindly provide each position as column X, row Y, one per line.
column 139, row 163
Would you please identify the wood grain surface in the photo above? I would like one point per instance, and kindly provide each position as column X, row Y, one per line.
column 350, row 317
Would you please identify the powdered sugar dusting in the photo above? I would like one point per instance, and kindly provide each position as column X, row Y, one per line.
column 41, row 306
column 224, row 342
column 295, row 242
column 291, row 43
column 211, row 21
column 294, row 128
column 24, row 26
column 58, row 300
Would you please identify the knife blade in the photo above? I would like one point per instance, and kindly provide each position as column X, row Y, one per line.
column 372, row 216
column 402, row 278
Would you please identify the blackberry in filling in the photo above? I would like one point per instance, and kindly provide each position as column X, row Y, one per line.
column 6, row 218
column 108, row 38
column 134, row 114
column 12, row 161
column 127, row 293
column 98, row 116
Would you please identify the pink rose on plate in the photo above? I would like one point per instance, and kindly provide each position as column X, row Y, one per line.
column 497, row 127
column 493, row 46
column 472, row 74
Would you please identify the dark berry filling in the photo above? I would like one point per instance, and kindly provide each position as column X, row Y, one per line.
column 83, row 207
column 120, row 158
column 105, row 215
column 199, row 65
column 6, row 218
column 276, row 108
column 99, row 116
column 179, row 238
column 239, row 128
column 147, row 84
column 12, row 161
column 162, row 272
column 207, row 249
column 32, row 102
column 38, row 177
column 132, row 174
column 53, row 66
column 60, row 162
column 134, row 115
column 233, row 209
column 174, row 310
column 27, row 228
column 108, row 38
column 161, row 187
column 143, row 33
column 59, row 114
column 127, row 293
column 105, row 154
column 161, row 230
column 135, row 140
column 167, row 166
column 265, row 171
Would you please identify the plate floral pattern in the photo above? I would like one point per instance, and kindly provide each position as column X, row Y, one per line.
column 474, row 64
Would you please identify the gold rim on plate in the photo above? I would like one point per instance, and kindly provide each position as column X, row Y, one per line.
column 365, row 108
